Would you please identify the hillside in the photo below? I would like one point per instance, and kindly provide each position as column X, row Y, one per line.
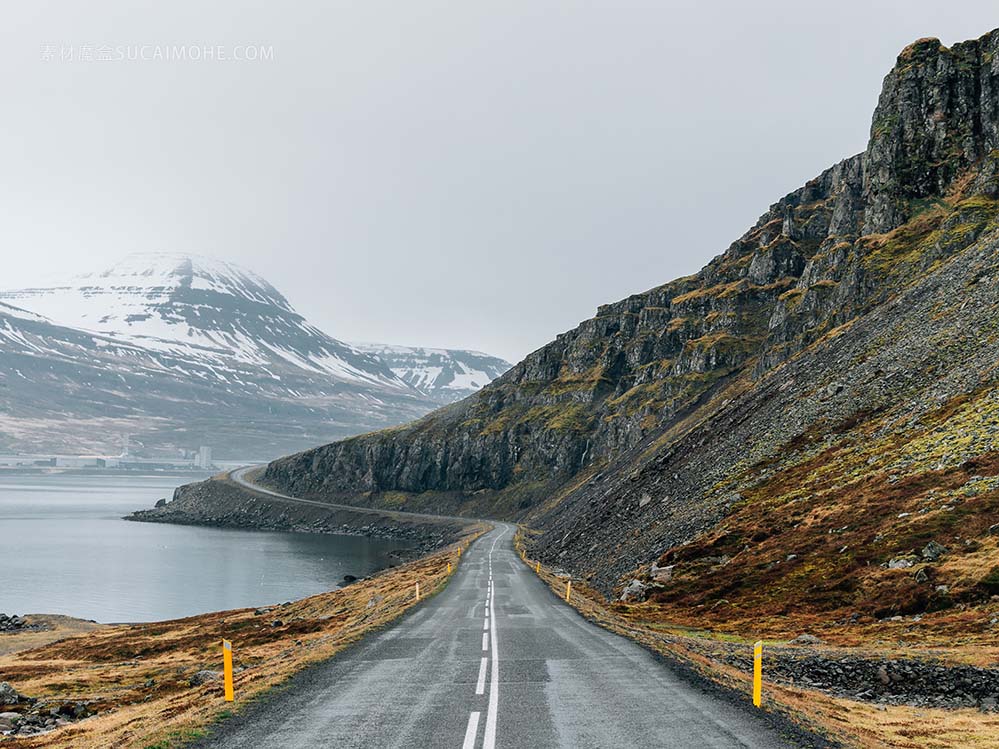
column 820, row 398
column 181, row 351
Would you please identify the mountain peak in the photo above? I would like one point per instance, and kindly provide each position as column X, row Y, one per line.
column 173, row 270
column 166, row 296
column 937, row 117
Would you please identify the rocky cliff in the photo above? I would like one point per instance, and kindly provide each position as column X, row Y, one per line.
column 850, row 333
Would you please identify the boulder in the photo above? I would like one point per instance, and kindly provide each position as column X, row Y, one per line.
column 806, row 639
column 205, row 676
column 661, row 574
column 634, row 591
column 933, row 551
column 9, row 695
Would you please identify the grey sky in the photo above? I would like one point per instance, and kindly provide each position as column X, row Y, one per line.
column 477, row 174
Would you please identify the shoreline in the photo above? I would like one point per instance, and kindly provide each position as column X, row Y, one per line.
column 159, row 681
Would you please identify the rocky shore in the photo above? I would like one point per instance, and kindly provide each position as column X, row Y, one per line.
column 26, row 716
column 13, row 623
column 222, row 503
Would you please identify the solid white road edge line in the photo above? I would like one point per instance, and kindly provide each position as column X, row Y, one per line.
column 489, row 740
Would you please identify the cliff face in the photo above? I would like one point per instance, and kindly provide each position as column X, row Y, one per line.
column 867, row 291
column 938, row 116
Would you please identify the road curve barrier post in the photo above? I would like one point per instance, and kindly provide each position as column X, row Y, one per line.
column 758, row 674
column 227, row 669
column 568, row 590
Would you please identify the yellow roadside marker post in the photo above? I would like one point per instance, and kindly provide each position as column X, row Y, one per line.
column 449, row 568
column 537, row 568
column 568, row 590
column 227, row 669
column 758, row 674
column 417, row 591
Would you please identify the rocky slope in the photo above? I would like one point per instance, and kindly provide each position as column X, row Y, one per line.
column 181, row 351
column 826, row 383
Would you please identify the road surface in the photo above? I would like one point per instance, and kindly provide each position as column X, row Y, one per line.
column 495, row 660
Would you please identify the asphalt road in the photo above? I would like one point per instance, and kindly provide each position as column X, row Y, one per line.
column 495, row 660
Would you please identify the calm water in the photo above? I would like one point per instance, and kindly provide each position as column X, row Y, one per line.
column 64, row 549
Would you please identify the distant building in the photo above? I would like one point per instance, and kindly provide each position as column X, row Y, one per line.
column 204, row 459
column 75, row 461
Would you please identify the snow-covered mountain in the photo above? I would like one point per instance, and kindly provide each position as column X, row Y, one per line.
column 446, row 375
column 209, row 310
column 179, row 351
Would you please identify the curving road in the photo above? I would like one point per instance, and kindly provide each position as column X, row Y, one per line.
column 495, row 660
column 239, row 477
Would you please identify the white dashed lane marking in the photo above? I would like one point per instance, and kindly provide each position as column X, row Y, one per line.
column 471, row 731
column 480, row 685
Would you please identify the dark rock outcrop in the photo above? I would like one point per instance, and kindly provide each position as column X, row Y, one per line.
column 15, row 623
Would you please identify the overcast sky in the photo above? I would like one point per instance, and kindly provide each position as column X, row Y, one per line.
column 469, row 174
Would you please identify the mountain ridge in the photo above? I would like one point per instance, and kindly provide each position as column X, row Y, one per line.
column 444, row 374
column 196, row 343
